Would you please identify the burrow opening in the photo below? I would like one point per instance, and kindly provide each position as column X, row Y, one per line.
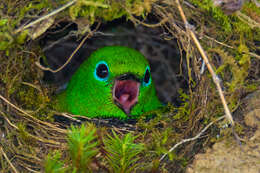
column 166, row 58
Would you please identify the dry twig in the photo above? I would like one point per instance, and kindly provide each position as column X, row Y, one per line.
column 205, row 58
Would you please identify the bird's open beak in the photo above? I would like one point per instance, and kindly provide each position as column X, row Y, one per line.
column 125, row 92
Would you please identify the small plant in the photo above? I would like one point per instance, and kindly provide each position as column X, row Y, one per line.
column 53, row 163
column 82, row 149
column 122, row 153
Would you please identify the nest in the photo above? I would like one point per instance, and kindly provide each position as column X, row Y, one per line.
column 30, row 128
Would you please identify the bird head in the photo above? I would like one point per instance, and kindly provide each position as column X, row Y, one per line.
column 114, row 81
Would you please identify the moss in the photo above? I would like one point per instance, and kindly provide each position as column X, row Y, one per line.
column 31, row 98
column 239, row 70
column 252, row 87
column 109, row 9
column 13, row 17
column 215, row 12
column 184, row 110
column 21, row 38
column 160, row 141
column 251, row 9
column 6, row 40
column 24, row 136
column 234, row 72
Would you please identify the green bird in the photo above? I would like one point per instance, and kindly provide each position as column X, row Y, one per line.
column 115, row 81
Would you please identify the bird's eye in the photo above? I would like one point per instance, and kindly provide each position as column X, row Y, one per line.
column 147, row 77
column 101, row 72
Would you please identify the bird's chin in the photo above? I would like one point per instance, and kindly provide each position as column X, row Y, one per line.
column 125, row 94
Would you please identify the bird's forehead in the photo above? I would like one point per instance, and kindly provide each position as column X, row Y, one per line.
column 122, row 60
column 123, row 66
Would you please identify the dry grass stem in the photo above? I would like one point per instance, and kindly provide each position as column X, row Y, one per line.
column 8, row 121
column 191, row 139
column 46, row 16
column 30, row 135
column 33, row 86
column 231, row 47
column 163, row 21
column 247, row 20
column 31, row 170
column 64, row 114
column 71, row 56
column 7, row 159
column 33, row 118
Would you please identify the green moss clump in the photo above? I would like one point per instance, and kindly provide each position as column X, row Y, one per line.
column 183, row 112
column 31, row 98
column 109, row 9
column 238, row 71
column 215, row 12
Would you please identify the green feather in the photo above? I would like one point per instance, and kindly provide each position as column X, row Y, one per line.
column 88, row 96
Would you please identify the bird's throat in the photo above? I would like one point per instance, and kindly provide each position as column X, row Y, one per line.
column 125, row 94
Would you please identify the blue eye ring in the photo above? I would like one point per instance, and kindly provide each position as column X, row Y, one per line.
column 147, row 77
column 101, row 72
